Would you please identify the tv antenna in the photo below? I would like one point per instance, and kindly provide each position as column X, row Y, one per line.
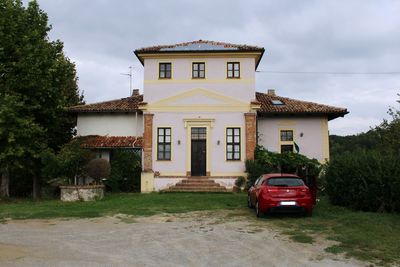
column 130, row 79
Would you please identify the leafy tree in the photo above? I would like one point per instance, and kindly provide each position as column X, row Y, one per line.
column 384, row 137
column 37, row 84
column 125, row 171
column 389, row 131
column 365, row 171
column 68, row 163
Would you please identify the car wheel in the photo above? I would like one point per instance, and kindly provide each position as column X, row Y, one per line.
column 258, row 212
column 249, row 202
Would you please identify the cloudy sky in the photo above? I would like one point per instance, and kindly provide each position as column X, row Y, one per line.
column 339, row 52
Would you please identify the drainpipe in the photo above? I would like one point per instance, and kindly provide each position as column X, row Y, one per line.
column 136, row 123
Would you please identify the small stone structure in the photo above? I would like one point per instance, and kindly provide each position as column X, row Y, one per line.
column 81, row 192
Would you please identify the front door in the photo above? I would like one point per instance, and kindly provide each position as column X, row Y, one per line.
column 199, row 150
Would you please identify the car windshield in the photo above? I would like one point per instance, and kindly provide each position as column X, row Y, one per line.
column 285, row 181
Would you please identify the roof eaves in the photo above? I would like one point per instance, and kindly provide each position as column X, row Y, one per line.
column 330, row 115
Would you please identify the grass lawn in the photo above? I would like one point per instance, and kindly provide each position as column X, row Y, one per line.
column 364, row 235
column 131, row 204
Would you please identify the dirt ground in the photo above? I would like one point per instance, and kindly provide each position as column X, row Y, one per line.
column 191, row 239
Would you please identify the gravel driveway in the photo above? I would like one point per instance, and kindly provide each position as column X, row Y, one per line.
column 191, row 239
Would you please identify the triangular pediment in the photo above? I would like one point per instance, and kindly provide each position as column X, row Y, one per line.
column 199, row 96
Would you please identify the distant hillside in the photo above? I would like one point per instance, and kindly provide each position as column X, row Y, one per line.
column 340, row 144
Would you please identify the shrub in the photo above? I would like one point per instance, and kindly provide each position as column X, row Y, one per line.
column 240, row 181
column 98, row 169
column 270, row 162
column 125, row 171
column 365, row 180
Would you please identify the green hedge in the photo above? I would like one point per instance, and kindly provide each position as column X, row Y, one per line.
column 365, row 180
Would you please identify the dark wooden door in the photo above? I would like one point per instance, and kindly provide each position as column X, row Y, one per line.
column 199, row 151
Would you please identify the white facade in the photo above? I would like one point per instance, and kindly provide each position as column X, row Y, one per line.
column 215, row 102
column 180, row 124
column 310, row 134
column 215, row 80
column 112, row 124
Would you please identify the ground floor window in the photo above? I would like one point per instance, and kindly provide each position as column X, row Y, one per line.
column 287, row 142
column 164, row 144
column 233, row 143
column 286, row 148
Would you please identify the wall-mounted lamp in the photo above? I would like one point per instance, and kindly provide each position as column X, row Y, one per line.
column 179, row 142
column 218, row 142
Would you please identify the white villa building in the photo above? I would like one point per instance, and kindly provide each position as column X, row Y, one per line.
column 200, row 118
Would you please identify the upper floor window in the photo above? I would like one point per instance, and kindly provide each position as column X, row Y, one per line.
column 164, row 71
column 287, row 142
column 233, row 70
column 286, row 135
column 164, row 144
column 198, row 70
column 233, row 143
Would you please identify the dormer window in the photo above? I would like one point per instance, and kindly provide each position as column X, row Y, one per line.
column 164, row 71
column 233, row 70
column 198, row 70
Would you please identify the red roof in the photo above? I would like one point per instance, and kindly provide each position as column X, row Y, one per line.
column 200, row 46
column 98, row 141
column 290, row 106
column 128, row 104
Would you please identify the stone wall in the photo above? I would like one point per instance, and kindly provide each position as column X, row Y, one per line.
column 81, row 192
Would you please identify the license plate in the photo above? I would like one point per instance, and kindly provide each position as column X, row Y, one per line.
column 288, row 203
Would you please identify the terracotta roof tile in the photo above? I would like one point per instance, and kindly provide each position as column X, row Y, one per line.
column 98, row 141
column 128, row 104
column 293, row 106
column 200, row 45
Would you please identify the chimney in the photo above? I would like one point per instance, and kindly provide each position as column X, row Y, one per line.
column 135, row 92
column 271, row 92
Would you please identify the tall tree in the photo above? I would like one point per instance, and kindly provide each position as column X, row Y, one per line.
column 37, row 84
column 385, row 137
column 389, row 131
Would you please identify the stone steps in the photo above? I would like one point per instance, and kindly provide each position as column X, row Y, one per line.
column 200, row 182
column 197, row 189
column 197, row 184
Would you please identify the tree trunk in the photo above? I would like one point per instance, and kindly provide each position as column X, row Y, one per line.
column 5, row 183
column 36, row 187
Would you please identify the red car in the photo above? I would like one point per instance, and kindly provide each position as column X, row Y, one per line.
column 277, row 192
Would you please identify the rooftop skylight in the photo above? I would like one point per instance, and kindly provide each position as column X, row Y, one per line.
column 277, row 102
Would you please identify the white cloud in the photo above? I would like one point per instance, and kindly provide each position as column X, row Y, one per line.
column 330, row 36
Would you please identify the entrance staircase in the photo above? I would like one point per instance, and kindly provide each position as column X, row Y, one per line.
column 197, row 184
